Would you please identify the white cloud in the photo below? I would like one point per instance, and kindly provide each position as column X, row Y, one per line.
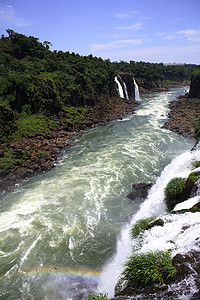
column 190, row 34
column 136, row 26
column 129, row 14
column 187, row 54
column 7, row 14
column 115, row 44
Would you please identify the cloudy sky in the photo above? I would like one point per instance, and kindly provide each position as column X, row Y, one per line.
column 140, row 30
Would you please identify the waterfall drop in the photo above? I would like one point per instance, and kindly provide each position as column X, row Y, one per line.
column 137, row 95
column 125, row 89
column 120, row 89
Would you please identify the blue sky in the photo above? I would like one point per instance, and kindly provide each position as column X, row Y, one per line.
column 142, row 30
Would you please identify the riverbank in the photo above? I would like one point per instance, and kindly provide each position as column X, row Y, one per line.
column 38, row 153
column 183, row 116
column 23, row 159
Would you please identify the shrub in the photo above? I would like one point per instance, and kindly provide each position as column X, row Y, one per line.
column 140, row 226
column 33, row 124
column 173, row 192
column 196, row 164
column 143, row 269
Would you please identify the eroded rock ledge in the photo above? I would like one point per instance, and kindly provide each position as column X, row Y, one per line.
column 183, row 116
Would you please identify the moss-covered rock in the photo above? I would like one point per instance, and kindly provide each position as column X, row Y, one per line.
column 145, row 270
column 174, row 192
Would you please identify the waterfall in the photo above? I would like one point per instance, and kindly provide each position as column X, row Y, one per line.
column 120, row 89
column 164, row 239
column 125, row 89
column 137, row 95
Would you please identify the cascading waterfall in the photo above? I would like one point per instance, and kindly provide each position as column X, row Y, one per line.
column 170, row 236
column 120, row 89
column 137, row 94
column 126, row 91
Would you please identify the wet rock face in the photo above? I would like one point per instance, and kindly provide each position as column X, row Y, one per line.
column 195, row 86
column 128, row 80
column 140, row 191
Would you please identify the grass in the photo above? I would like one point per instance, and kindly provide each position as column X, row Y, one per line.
column 144, row 269
column 140, row 226
column 173, row 190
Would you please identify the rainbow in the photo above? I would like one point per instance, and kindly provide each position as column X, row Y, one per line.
column 83, row 272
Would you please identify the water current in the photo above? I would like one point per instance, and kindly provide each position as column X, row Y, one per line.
column 60, row 230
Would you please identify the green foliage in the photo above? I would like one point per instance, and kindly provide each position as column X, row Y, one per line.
column 196, row 164
column 173, row 190
column 140, row 226
column 96, row 296
column 35, row 80
column 143, row 269
column 197, row 131
column 146, row 72
column 192, row 178
column 196, row 72
column 32, row 124
column 12, row 160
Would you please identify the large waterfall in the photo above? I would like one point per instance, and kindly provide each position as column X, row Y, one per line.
column 120, row 89
column 124, row 89
column 137, row 95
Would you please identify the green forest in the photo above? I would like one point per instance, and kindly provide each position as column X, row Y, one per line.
column 40, row 88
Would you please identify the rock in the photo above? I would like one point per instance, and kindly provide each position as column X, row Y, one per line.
column 140, row 191
column 157, row 222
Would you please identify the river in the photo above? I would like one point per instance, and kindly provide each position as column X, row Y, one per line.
column 59, row 230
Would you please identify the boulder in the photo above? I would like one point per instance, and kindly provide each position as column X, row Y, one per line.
column 140, row 191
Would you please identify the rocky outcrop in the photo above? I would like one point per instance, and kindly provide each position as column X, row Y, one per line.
column 188, row 270
column 140, row 191
column 195, row 84
column 183, row 116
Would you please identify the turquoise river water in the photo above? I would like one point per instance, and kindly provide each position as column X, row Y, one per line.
column 60, row 229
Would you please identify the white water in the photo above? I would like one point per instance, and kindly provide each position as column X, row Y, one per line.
column 170, row 236
column 67, row 221
column 137, row 94
column 120, row 89
column 126, row 92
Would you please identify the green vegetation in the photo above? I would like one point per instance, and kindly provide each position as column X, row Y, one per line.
column 196, row 164
column 148, row 72
column 140, row 226
column 12, row 160
column 143, row 269
column 197, row 131
column 96, row 296
column 32, row 124
column 41, row 89
column 173, row 191
column 196, row 72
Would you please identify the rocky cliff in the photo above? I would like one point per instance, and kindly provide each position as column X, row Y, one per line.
column 195, row 84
